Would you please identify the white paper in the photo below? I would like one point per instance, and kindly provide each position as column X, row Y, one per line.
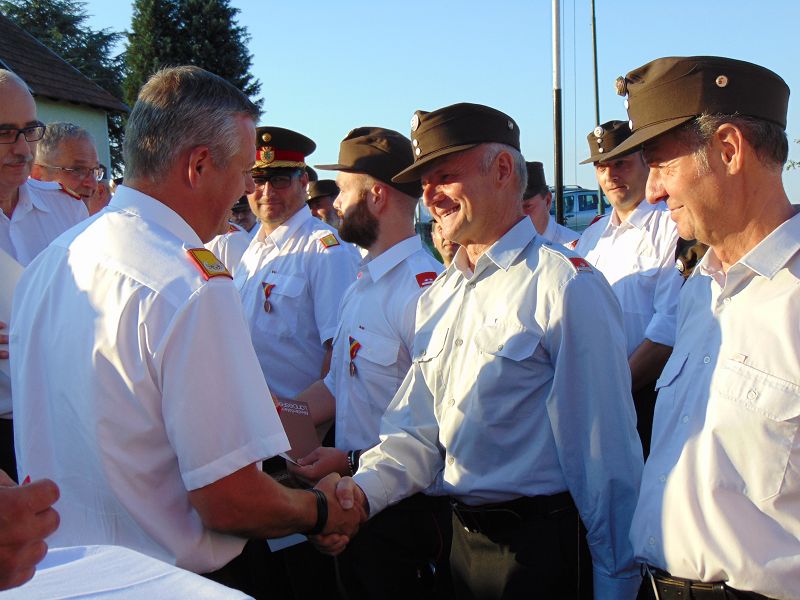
column 10, row 272
column 277, row 544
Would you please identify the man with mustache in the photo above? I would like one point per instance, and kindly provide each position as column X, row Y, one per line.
column 634, row 247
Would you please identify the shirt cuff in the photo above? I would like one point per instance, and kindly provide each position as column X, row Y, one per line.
column 372, row 486
column 615, row 588
column 662, row 329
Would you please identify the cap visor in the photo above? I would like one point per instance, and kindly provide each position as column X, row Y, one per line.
column 645, row 134
column 413, row 173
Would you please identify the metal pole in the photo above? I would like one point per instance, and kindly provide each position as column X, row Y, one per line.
column 558, row 166
column 601, row 209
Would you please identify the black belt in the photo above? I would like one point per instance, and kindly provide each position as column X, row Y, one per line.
column 491, row 518
column 670, row 587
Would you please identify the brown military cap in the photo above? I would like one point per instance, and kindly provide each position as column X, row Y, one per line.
column 378, row 152
column 323, row 187
column 605, row 138
column 453, row 129
column 536, row 179
column 668, row 92
column 277, row 147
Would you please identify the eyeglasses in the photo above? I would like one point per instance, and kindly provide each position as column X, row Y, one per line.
column 9, row 135
column 279, row 182
column 98, row 173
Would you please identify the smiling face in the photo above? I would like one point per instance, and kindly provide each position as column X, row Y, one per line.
column 17, row 110
column 273, row 204
column 623, row 181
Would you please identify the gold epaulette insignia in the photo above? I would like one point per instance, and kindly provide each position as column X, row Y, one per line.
column 329, row 241
column 208, row 264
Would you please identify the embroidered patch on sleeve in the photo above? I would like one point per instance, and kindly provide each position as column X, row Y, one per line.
column 581, row 265
column 329, row 241
column 208, row 264
column 426, row 278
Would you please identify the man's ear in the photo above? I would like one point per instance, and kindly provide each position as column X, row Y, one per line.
column 731, row 147
column 378, row 200
column 503, row 168
column 199, row 161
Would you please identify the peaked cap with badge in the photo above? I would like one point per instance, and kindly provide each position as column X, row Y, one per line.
column 605, row 138
column 668, row 92
column 536, row 179
column 322, row 187
column 380, row 153
column 277, row 147
column 453, row 129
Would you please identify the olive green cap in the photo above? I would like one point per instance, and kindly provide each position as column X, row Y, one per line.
column 322, row 187
column 668, row 92
column 605, row 138
column 453, row 129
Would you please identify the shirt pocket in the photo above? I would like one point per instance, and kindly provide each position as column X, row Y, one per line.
column 429, row 344
column 757, row 416
column 282, row 318
column 637, row 290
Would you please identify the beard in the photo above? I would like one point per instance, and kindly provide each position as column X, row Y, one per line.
column 359, row 227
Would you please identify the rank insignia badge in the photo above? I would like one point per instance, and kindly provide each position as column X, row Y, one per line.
column 208, row 264
column 329, row 241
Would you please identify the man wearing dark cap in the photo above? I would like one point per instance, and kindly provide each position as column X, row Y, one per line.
column 634, row 247
column 517, row 404
column 321, row 195
column 718, row 507
column 403, row 551
column 536, row 203
column 243, row 217
column 231, row 241
column 295, row 271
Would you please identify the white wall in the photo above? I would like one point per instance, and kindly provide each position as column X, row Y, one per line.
column 92, row 119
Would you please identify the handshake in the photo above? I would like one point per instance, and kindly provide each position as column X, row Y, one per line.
column 347, row 509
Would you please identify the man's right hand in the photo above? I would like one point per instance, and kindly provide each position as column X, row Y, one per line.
column 345, row 515
column 26, row 519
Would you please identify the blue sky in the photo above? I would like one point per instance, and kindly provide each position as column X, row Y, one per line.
column 327, row 67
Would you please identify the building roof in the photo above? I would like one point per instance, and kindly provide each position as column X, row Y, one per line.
column 47, row 74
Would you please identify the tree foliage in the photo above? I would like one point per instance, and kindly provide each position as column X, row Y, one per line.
column 195, row 32
column 61, row 26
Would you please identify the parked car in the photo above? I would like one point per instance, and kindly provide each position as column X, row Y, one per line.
column 580, row 206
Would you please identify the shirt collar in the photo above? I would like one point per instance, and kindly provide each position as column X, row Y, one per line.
column 385, row 262
column 286, row 230
column 28, row 198
column 503, row 252
column 129, row 200
column 638, row 217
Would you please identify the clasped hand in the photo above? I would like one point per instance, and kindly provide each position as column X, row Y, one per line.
column 347, row 510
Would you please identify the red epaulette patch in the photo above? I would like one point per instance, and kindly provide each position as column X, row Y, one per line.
column 232, row 228
column 208, row 264
column 426, row 278
column 581, row 264
column 596, row 219
column 329, row 241
column 572, row 245
column 69, row 192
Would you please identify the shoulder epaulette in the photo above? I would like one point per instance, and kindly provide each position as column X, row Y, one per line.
column 329, row 241
column 69, row 192
column 581, row 265
column 427, row 278
column 208, row 264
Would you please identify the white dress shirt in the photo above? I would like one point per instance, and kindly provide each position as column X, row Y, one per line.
column 720, row 497
column 134, row 381
column 310, row 276
column 43, row 212
column 518, row 389
column 230, row 247
column 377, row 313
column 637, row 257
column 558, row 234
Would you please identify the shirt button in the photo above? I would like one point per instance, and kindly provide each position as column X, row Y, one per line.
column 422, row 353
column 663, row 478
column 470, row 286
column 685, row 419
column 451, row 402
column 500, row 347
column 651, row 540
column 752, row 395
column 706, row 359
column 459, row 341
column 450, row 460
column 727, row 301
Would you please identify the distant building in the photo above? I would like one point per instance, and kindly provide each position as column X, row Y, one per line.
column 61, row 92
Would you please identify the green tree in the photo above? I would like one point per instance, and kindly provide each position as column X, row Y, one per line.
column 196, row 32
column 61, row 26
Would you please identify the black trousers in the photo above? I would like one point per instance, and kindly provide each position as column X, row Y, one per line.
column 256, row 572
column 401, row 553
column 644, row 401
column 8, row 461
column 681, row 589
column 536, row 556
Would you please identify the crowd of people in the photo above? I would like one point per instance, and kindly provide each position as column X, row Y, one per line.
column 546, row 414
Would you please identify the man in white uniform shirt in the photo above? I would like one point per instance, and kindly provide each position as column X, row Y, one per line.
column 154, row 416
column 536, row 203
column 634, row 247
column 718, row 508
column 68, row 154
column 294, row 273
column 372, row 349
column 517, row 404
column 33, row 214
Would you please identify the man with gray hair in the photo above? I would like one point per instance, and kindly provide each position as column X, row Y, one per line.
column 155, row 414
column 67, row 154
column 517, row 404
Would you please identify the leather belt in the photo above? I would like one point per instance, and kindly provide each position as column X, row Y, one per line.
column 669, row 587
column 491, row 518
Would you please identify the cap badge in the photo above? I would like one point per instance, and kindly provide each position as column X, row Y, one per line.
column 414, row 122
column 630, row 124
column 415, row 142
column 265, row 155
column 266, row 137
column 626, row 104
column 721, row 81
column 417, row 151
column 598, row 132
column 511, row 125
column 600, row 149
column 621, row 85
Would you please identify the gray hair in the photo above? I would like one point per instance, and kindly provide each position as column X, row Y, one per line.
column 767, row 139
column 492, row 150
column 56, row 133
column 181, row 108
